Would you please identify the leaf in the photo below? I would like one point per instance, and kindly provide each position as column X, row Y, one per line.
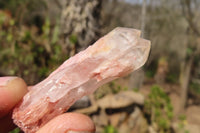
column 189, row 51
column 110, row 129
column 73, row 39
column 55, row 36
column 16, row 130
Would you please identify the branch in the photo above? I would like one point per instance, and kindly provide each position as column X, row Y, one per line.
column 58, row 4
column 189, row 15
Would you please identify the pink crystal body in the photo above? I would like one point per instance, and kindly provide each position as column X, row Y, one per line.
column 116, row 54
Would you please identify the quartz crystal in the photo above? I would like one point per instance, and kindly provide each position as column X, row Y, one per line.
column 116, row 54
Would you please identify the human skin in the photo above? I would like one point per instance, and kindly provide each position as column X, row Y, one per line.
column 12, row 89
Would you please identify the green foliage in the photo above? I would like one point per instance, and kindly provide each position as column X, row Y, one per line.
column 195, row 87
column 182, row 123
column 110, row 129
column 27, row 51
column 11, row 4
column 25, row 11
column 150, row 74
column 158, row 106
column 151, row 69
column 55, row 36
column 172, row 78
column 16, row 130
column 110, row 88
column 73, row 39
column 189, row 51
column 115, row 88
column 136, row 89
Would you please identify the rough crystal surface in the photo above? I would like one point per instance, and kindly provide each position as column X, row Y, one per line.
column 116, row 54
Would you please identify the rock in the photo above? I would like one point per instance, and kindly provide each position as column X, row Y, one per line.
column 117, row 118
column 81, row 103
column 151, row 129
column 89, row 110
column 137, row 123
column 122, row 99
column 115, row 55
column 101, row 119
column 133, row 123
column 124, row 128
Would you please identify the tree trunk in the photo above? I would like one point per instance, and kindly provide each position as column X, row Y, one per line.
column 137, row 78
column 80, row 23
column 184, row 81
column 143, row 16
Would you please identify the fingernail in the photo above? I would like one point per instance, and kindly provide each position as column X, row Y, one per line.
column 5, row 80
column 79, row 132
column 17, row 87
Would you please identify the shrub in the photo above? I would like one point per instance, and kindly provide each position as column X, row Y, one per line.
column 159, row 109
column 28, row 51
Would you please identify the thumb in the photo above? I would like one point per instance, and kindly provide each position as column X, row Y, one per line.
column 12, row 89
column 69, row 123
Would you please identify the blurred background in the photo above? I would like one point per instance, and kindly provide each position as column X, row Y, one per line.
column 36, row 36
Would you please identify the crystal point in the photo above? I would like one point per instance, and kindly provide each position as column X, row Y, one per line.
column 116, row 54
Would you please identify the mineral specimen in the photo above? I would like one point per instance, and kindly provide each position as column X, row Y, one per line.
column 116, row 54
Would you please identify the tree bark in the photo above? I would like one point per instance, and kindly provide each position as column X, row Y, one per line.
column 80, row 23
column 137, row 78
column 184, row 81
column 143, row 16
column 187, row 65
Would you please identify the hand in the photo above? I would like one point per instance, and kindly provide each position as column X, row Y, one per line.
column 12, row 89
